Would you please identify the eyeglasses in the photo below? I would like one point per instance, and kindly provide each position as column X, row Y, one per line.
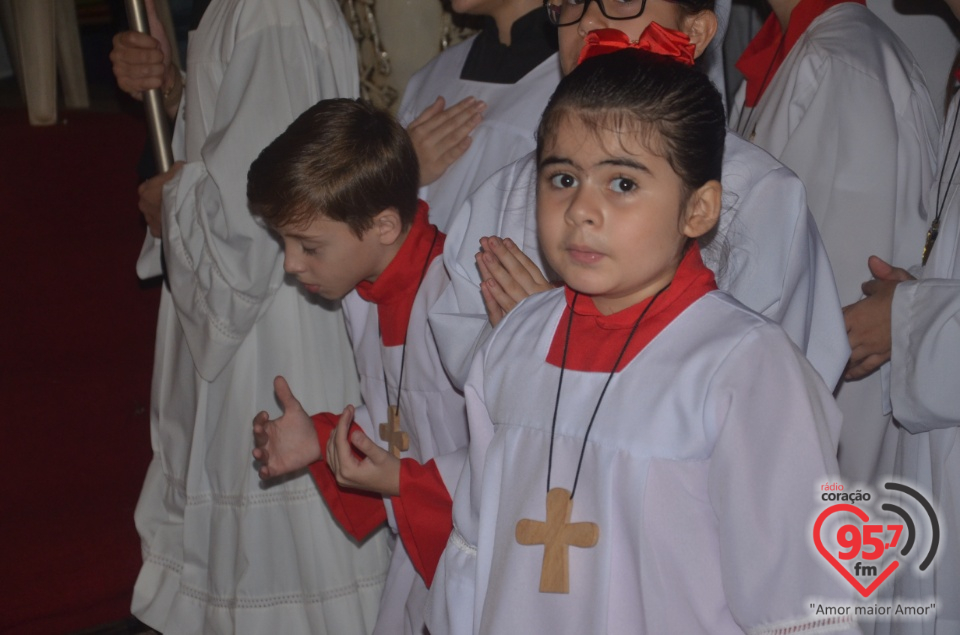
column 567, row 12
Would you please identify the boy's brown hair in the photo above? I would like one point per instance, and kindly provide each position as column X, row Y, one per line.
column 343, row 159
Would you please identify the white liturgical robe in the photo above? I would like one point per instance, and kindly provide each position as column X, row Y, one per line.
column 402, row 356
column 848, row 111
column 924, row 367
column 701, row 471
column 222, row 552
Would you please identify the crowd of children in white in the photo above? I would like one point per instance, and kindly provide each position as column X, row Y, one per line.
column 566, row 347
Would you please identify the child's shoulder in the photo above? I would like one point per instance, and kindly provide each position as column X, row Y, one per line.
column 721, row 318
column 851, row 41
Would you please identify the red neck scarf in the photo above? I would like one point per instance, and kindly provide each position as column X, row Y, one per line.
column 395, row 289
column 770, row 46
column 655, row 39
column 596, row 339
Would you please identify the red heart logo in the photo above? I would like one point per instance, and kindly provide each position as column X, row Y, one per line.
column 862, row 515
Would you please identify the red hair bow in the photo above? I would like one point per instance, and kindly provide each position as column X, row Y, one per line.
column 655, row 38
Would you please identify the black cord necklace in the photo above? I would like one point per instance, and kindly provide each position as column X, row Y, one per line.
column 563, row 364
column 557, row 532
column 397, row 440
column 934, row 230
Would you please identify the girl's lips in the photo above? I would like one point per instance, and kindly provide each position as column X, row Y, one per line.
column 311, row 288
column 584, row 255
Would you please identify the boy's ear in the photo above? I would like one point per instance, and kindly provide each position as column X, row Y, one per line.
column 700, row 27
column 703, row 210
column 388, row 226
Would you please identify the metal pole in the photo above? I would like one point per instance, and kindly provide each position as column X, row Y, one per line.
column 158, row 127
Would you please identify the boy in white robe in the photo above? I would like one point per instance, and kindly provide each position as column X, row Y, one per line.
column 678, row 437
column 500, row 78
column 222, row 554
column 836, row 96
column 340, row 187
column 768, row 254
column 914, row 324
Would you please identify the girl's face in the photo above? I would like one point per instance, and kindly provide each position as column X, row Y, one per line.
column 666, row 14
column 610, row 217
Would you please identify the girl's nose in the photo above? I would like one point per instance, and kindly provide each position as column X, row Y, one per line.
column 584, row 208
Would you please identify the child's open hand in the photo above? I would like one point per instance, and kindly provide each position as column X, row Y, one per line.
column 508, row 276
column 441, row 135
column 288, row 443
column 378, row 471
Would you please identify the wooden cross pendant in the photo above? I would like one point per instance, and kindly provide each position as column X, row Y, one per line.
column 397, row 440
column 556, row 535
column 931, row 239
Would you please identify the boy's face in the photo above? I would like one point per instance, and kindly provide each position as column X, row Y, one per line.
column 608, row 214
column 573, row 37
column 328, row 259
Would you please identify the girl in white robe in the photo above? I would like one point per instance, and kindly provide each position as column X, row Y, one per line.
column 682, row 438
column 839, row 100
column 223, row 554
column 768, row 253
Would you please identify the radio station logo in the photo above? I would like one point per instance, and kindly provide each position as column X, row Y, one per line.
column 866, row 544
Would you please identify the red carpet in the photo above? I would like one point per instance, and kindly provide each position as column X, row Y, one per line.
column 75, row 360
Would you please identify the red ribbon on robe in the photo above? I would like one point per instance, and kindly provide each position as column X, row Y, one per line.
column 655, row 39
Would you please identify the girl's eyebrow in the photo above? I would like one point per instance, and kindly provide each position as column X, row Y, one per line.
column 554, row 160
column 627, row 163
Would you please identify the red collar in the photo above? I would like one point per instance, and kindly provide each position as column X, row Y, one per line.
column 395, row 289
column 596, row 339
column 765, row 53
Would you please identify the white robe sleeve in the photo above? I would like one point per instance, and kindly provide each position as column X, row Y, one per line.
column 925, row 357
column 769, row 255
column 777, row 445
column 865, row 161
column 223, row 266
column 501, row 207
column 925, row 314
column 451, row 605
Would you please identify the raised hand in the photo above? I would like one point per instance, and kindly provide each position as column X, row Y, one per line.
column 151, row 199
column 508, row 276
column 441, row 136
column 378, row 471
column 288, row 443
column 869, row 322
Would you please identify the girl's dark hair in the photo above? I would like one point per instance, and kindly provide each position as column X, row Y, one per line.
column 673, row 108
column 343, row 159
